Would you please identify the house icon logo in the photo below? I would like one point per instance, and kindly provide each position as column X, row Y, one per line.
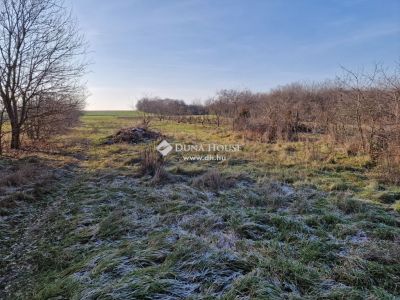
column 164, row 148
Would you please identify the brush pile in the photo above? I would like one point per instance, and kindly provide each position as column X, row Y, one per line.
column 133, row 135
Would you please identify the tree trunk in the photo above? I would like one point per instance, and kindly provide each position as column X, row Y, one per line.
column 1, row 131
column 15, row 137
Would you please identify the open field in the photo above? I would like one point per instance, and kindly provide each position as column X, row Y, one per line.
column 273, row 221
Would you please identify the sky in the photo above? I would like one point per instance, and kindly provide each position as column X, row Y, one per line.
column 189, row 49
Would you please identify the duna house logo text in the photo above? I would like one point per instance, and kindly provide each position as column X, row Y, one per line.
column 165, row 148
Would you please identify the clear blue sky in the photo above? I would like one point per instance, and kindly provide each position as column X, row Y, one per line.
column 188, row 49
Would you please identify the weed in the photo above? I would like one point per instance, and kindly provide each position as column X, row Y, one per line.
column 151, row 161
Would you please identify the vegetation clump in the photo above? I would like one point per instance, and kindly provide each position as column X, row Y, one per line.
column 213, row 180
column 133, row 135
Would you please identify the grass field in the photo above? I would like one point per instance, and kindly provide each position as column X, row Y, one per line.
column 273, row 221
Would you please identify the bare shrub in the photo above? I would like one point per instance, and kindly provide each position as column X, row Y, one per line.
column 145, row 122
column 390, row 173
column 378, row 146
column 352, row 148
column 50, row 115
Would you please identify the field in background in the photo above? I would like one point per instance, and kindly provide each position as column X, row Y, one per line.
column 272, row 221
column 298, row 163
column 114, row 113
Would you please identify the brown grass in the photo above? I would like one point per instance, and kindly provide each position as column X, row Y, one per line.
column 160, row 176
column 212, row 180
column 19, row 176
column 151, row 161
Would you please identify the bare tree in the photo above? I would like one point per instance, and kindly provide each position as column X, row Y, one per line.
column 391, row 83
column 40, row 53
column 216, row 107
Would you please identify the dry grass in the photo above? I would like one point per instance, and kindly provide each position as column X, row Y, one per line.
column 389, row 168
column 160, row 176
column 213, row 180
column 349, row 205
column 151, row 161
column 275, row 233
column 352, row 149
column 152, row 164
column 19, row 175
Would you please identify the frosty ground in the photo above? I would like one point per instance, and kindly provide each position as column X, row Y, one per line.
column 274, row 221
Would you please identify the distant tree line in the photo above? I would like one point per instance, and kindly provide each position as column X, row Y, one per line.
column 169, row 107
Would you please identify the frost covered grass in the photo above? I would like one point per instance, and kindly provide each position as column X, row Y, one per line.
column 271, row 222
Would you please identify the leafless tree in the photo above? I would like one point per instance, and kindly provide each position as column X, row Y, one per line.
column 40, row 54
column 217, row 107
column 391, row 83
